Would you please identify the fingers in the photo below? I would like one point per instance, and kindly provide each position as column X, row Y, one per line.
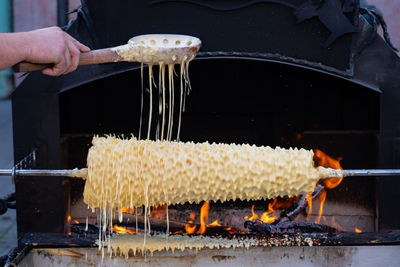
column 59, row 68
column 82, row 48
column 75, row 48
column 75, row 55
column 62, row 50
column 70, row 60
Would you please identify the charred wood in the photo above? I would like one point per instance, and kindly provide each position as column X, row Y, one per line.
column 160, row 226
column 287, row 228
column 298, row 207
column 80, row 229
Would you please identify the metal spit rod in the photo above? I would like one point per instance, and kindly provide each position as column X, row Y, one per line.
column 22, row 172
column 377, row 172
column 80, row 173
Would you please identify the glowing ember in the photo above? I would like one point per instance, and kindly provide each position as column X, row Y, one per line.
column 357, row 230
column 126, row 210
column 213, row 224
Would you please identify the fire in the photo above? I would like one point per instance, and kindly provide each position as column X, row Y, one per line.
column 324, row 160
column 266, row 216
column 203, row 218
column 357, row 230
column 321, row 159
column 190, row 228
column 69, row 218
column 159, row 212
column 76, row 222
column 322, row 198
column 126, row 210
column 254, row 216
column 122, row 230
column 213, row 224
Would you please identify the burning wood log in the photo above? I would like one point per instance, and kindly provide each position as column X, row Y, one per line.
column 176, row 227
column 287, row 228
column 292, row 212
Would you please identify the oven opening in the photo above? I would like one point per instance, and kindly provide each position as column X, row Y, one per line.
column 241, row 101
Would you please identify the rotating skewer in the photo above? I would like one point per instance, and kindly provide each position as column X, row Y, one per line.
column 81, row 173
column 75, row 173
column 374, row 172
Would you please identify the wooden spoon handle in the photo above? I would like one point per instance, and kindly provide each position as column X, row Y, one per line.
column 99, row 56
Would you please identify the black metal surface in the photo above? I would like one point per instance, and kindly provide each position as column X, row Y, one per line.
column 16, row 255
column 62, row 12
column 36, row 124
column 256, row 27
column 58, row 240
column 384, row 67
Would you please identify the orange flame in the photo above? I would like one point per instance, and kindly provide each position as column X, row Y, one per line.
column 266, row 216
column 324, row 160
column 213, row 224
column 357, row 230
column 126, row 210
column 254, row 216
column 322, row 198
column 76, row 222
column 189, row 228
column 203, row 218
column 122, row 230
column 69, row 218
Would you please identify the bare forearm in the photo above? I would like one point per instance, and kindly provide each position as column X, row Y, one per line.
column 48, row 46
column 13, row 48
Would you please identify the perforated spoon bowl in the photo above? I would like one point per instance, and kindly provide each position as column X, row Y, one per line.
column 148, row 49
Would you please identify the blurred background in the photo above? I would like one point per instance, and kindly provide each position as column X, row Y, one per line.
column 25, row 15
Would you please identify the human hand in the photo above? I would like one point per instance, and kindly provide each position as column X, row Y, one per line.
column 53, row 45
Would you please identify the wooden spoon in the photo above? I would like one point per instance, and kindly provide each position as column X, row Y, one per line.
column 148, row 49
